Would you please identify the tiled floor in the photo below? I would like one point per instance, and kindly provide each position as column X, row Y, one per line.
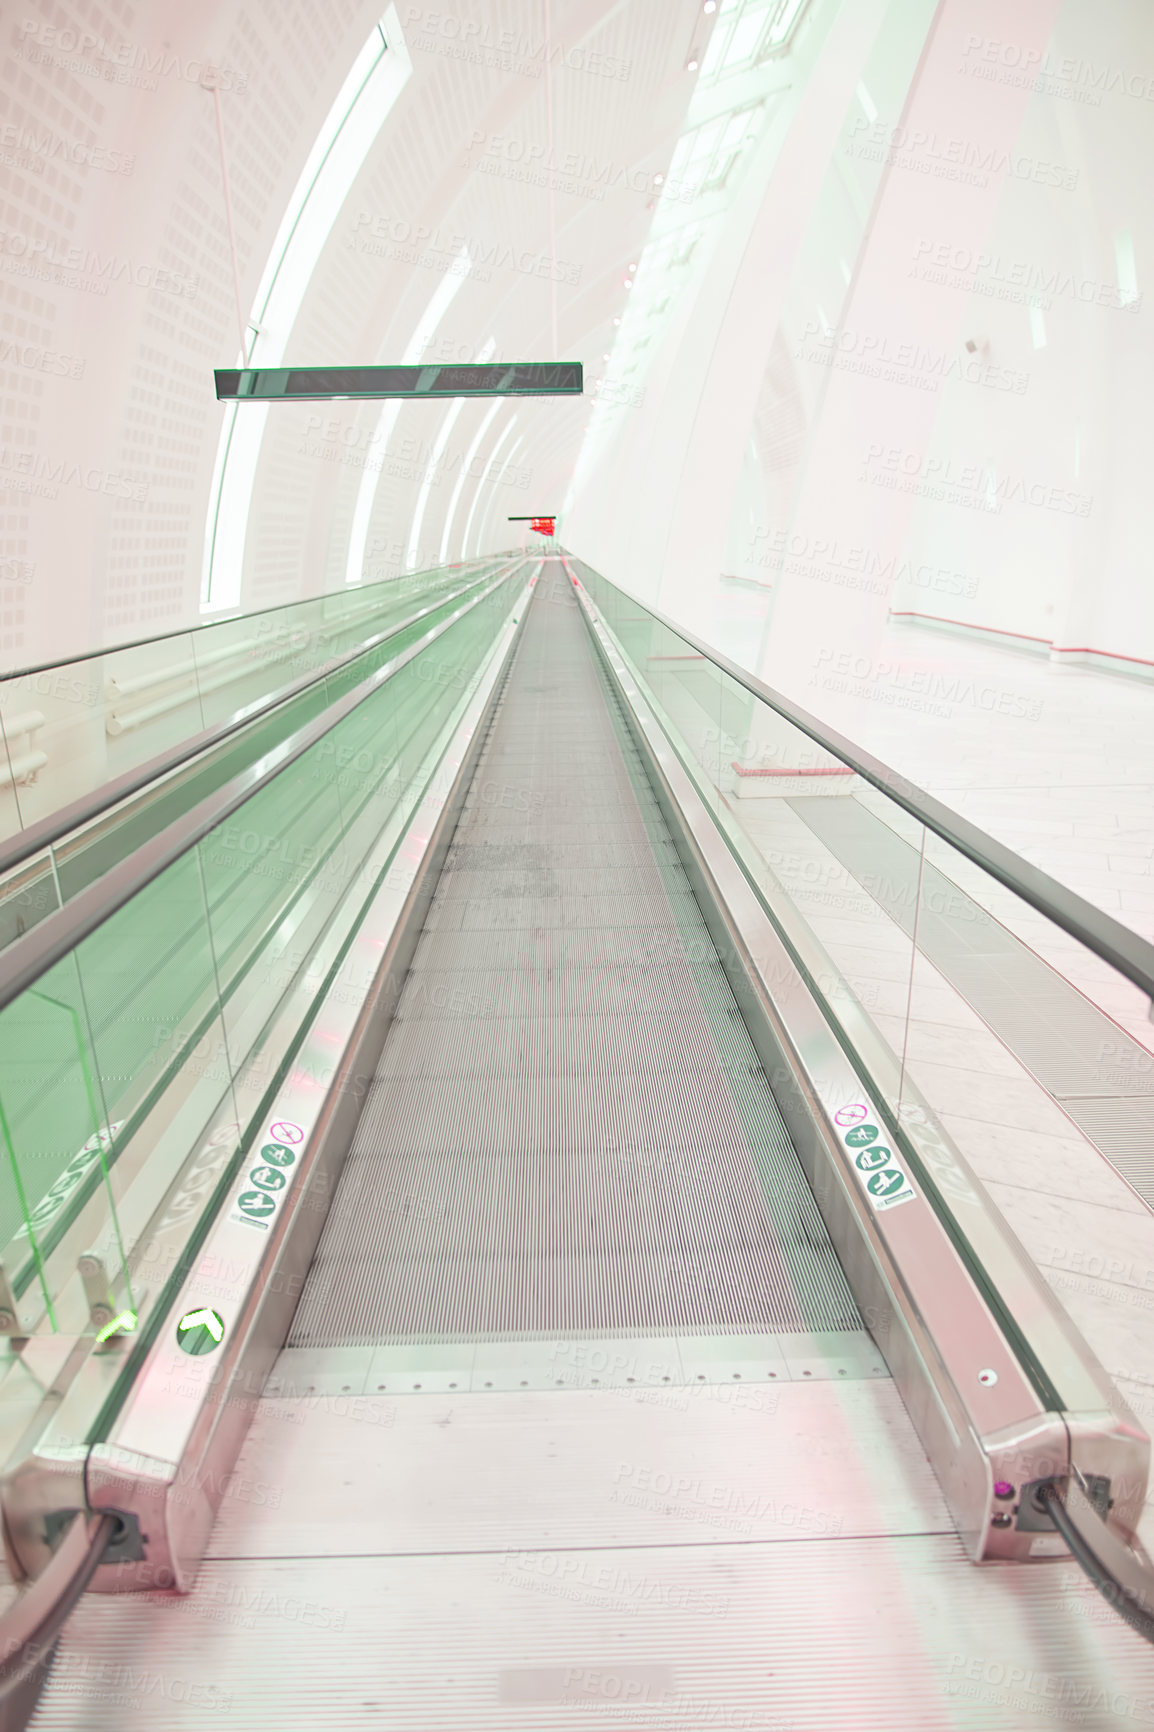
column 1066, row 778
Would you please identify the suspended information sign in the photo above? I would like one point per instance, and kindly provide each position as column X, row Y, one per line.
column 497, row 379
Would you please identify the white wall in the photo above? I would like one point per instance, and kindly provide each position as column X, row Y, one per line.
column 731, row 425
column 116, row 289
column 110, row 429
column 819, row 328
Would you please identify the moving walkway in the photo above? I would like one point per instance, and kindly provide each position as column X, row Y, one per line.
column 513, row 1276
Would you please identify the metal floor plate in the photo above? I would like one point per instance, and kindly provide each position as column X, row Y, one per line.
column 461, row 1473
column 569, row 1134
column 594, row 1362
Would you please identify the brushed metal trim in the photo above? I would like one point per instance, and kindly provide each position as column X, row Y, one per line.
column 227, row 1402
column 1057, row 1345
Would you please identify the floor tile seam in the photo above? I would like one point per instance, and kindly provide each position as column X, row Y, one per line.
column 541, row 1065
column 640, row 892
column 558, row 1271
column 947, row 1532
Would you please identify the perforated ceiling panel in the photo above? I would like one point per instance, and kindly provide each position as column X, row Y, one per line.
column 116, row 287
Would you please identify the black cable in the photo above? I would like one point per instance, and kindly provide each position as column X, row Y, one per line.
column 36, row 1648
column 1123, row 1599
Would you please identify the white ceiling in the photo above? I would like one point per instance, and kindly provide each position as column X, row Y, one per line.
column 115, row 255
column 717, row 423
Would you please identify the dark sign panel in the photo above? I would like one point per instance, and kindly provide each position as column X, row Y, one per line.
column 498, row 379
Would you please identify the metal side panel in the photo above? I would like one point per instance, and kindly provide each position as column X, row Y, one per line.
column 169, row 1454
column 1081, row 1387
column 979, row 1417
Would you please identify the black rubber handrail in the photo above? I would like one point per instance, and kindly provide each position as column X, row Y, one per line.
column 30, row 1627
column 30, row 956
column 1123, row 949
column 88, row 807
column 1124, row 1580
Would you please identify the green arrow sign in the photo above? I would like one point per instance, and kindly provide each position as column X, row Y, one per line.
column 126, row 1322
column 200, row 1331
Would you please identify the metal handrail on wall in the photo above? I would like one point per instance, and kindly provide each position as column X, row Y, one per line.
column 214, row 624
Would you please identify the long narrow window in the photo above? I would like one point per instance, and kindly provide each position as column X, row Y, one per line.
column 423, row 335
column 412, row 553
column 377, row 78
column 466, row 466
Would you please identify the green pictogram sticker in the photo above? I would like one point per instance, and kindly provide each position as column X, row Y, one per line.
column 200, row 1331
column 256, row 1204
column 886, row 1184
column 267, row 1178
column 269, row 1181
column 884, row 1178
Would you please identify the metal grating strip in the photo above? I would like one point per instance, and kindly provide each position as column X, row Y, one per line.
column 569, row 1133
column 719, row 1632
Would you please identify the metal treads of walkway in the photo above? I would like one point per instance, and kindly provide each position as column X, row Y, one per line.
column 569, row 1134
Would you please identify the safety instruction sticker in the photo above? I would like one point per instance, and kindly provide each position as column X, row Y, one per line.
column 70, row 1180
column 265, row 1185
column 878, row 1170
